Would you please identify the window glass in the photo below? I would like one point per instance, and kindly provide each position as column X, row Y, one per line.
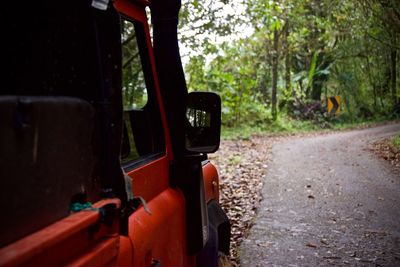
column 133, row 83
column 143, row 136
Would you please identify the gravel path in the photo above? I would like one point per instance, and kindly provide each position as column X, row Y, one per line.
column 327, row 201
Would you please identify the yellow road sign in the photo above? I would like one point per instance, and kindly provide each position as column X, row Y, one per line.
column 334, row 104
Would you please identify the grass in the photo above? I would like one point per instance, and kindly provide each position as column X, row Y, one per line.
column 344, row 123
column 396, row 141
column 287, row 125
column 235, row 160
column 283, row 125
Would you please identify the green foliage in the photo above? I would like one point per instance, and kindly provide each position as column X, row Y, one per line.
column 236, row 83
column 200, row 22
column 396, row 141
column 321, row 48
column 133, row 83
column 282, row 125
column 313, row 67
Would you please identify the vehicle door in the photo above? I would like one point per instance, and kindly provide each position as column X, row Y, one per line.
column 156, row 226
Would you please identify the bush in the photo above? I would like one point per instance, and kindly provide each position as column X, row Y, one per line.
column 396, row 141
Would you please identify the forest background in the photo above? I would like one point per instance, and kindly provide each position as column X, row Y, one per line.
column 275, row 63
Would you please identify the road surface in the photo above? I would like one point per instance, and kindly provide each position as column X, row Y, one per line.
column 327, row 201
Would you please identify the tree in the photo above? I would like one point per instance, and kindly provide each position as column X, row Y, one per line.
column 298, row 53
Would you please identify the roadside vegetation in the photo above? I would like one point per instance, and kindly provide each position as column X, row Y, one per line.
column 389, row 150
column 285, row 125
column 396, row 141
column 275, row 63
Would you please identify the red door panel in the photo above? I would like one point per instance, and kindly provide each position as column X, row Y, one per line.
column 150, row 180
column 80, row 239
column 160, row 235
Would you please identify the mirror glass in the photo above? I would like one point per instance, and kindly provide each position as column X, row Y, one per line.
column 203, row 116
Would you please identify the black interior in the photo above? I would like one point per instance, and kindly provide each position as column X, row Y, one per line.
column 46, row 157
column 61, row 111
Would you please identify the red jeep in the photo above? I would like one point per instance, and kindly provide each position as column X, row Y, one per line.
column 103, row 153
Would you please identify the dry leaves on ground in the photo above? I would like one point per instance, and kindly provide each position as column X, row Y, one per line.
column 241, row 165
column 386, row 150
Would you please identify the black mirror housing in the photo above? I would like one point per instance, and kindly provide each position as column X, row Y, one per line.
column 203, row 117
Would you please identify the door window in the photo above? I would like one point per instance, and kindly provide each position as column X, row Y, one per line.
column 143, row 137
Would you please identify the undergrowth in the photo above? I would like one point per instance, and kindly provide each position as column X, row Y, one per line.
column 396, row 141
column 287, row 125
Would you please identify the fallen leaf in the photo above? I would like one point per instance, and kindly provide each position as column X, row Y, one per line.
column 311, row 245
column 324, row 241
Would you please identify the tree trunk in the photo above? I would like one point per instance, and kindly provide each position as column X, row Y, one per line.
column 318, row 80
column 393, row 70
column 381, row 94
column 287, row 61
column 275, row 61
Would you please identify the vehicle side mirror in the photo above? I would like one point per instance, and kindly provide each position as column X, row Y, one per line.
column 203, row 117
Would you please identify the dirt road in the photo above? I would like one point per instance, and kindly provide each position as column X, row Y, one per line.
column 327, row 201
